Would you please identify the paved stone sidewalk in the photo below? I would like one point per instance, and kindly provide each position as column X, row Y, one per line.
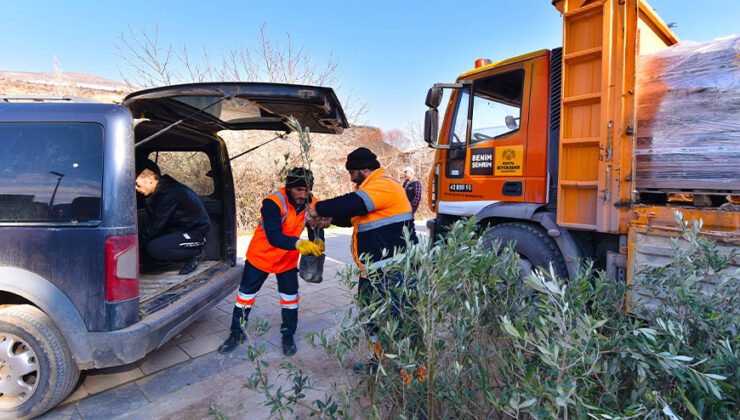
column 188, row 375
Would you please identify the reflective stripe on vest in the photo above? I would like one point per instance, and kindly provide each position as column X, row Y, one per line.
column 366, row 198
column 283, row 207
column 384, row 222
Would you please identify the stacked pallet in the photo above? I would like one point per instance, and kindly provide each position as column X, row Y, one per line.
column 688, row 118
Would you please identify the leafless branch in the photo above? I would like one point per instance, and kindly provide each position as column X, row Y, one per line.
column 145, row 62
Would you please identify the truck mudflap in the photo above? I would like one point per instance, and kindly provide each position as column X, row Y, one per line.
column 130, row 344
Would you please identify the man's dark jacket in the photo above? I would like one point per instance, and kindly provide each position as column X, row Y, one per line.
column 173, row 207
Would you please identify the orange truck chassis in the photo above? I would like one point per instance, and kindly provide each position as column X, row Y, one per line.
column 539, row 148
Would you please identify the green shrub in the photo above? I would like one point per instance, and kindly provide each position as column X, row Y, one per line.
column 475, row 341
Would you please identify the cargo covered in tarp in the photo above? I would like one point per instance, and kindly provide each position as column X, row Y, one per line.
column 688, row 118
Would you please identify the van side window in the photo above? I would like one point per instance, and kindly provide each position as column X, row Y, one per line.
column 190, row 168
column 497, row 106
column 51, row 172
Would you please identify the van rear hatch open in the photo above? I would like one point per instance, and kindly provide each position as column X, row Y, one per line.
column 241, row 106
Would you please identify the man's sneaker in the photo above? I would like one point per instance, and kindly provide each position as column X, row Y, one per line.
column 289, row 347
column 192, row 263
column 231, row 343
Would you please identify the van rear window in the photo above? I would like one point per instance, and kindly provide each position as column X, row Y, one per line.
column 51, row 172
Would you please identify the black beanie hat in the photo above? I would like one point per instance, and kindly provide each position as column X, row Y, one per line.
column 362, row 158
column 299, row 177
column 147, row 164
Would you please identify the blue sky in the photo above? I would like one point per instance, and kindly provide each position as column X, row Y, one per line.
column 389, row 52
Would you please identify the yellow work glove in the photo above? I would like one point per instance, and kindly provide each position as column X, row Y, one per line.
column 307, row 248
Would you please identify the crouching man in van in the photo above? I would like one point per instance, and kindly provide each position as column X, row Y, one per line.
column 176, row 222
column 275, row 248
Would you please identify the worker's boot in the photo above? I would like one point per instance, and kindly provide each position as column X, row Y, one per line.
column 287, row 329
column 239, row 319
column 231, row 343
column 289, row 347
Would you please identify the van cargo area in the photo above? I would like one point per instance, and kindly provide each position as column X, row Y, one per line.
column 160, row 289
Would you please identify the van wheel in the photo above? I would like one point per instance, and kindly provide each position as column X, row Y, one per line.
column 36, row 368
column 535, row 247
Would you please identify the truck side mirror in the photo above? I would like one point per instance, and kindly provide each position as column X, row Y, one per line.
column 431, row 122
column 434, row 97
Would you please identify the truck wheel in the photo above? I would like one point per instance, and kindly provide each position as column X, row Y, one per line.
column 534, row 246
column 36, row 368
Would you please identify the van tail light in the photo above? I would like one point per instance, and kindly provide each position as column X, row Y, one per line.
column 121, row 268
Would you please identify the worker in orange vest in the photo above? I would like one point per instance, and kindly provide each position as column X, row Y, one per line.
column 275, row 248
column 378, row 210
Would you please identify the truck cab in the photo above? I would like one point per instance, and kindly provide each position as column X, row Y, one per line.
column 541, row 148
column 493, row 146
column 496, row 156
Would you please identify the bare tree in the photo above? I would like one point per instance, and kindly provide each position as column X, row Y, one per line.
column 415, row 135
column 396, row 138
column 411, row 151
column 147, row 63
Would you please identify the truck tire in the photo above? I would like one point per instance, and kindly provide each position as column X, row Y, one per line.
column 532, row 243
column 37, row 370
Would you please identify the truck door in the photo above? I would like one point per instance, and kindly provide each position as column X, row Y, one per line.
column 456, row 155
column 498, row 136
column 486, row 140
column 502, row 112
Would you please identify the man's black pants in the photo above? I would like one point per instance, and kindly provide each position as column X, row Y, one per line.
column 252, row 281
column 176, row 246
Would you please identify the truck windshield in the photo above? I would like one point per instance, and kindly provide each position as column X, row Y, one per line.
column 497, row 106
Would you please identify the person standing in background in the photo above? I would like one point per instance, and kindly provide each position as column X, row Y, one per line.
column 412, row 186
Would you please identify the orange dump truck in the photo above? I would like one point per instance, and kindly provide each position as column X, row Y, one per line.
column 586, row 151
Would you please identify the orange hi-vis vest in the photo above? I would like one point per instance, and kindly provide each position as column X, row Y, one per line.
column 267, row 257
column 387, row 204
